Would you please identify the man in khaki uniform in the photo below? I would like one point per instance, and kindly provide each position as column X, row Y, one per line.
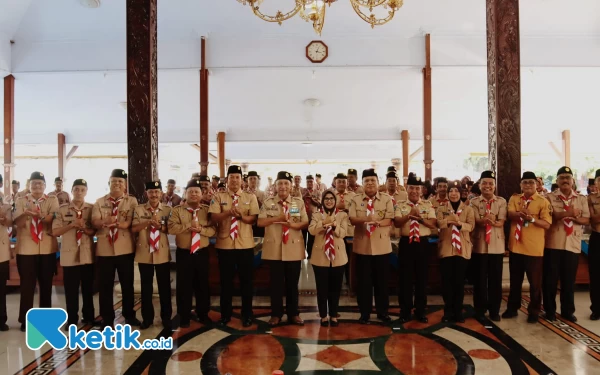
column 343, row 198
column 25, row 191
column 352, row 185
column 14, row 191
column 253, row 180
column 36, row 248
column 73, row 223
column 530, row 215
column 417, row 219
column 399, row 187
column 5, row 256
column 284, row 217
column 320, row 186
column 214, row 185
column 192, row 229
column 570, row 212
column 392, row 189
column 371, row 213
column 488, row 248
column 441, row 194
column 207, row 193
column 170, row 198
column 594, row 250
column 112, row 215
column 63, row 196
column 235, row 212
column 297, row 190
column 152, row 253
column 312, row 203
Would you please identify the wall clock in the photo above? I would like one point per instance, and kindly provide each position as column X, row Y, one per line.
column 317, row 51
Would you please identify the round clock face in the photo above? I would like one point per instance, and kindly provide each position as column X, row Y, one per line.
column 317, row 52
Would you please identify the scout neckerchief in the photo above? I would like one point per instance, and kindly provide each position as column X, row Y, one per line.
column 353, row 189
column 36, row 228
column 169, row 200
column 441, row 201
column 285, row 230
column 78, row 215
column 568, row 224
column 113, row 233
column 455, row 232
column 488, row 227
column 195, row 236
column 233, row 230
column 521, row 221
column 370, row 211
column 414, row 234
column 154, row 232
column 329, row 243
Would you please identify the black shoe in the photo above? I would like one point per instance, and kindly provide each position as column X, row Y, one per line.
column 134, row 322
column 495, row 317
column 570, row 318
column 247, row 322
column 324, row 323
column 91, row 322
column 532, row 319
column 224, row 321
column 459, row 319
column 22, row 327
column 103, row 325
column 184, row 325
column 509, row 314
column 334, row 323
column 145, row 325
column 594, row 316
column 3, row 328
column 384, row 318
column 167, row 325
column 205, row 319
column 404, row 319
column 549, row 317
column 480, row 314
column 364, row 320
column 422, row 319
column 447, row 319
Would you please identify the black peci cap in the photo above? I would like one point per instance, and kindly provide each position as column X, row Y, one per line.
column 488, row 174
column 391, row 168
column 58, row 179
column 391, row 174
column 564, row 170
column 283, row 175
column 80, row 182
column 118, row 173
column 252, row 174
column 309, row 177
column 368, row 173
column 203, row 178
column 414, row 181
column 528, row 176
column 194, row 182
column 215, row 177
column 591, row 181
column 15, row 182
column 234, row 169
column 153, row 185
column 37, row 176
column 353, row 172
column 341, row 176
column 318, row 175
column 221, row 185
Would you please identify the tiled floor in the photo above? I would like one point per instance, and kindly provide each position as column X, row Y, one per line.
column 510, row 346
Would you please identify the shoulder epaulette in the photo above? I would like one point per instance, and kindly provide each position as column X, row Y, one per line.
column 64, row 205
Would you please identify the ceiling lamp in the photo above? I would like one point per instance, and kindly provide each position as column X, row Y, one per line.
column 314, row 11
column 90, row 3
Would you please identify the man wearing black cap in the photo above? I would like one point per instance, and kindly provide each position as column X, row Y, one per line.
column 284, row 217
column 570, row 212
column 63, row 196
column 594, row 250
column 343, row 198
column 297, row 190
column 36, row 248
column 73, row 223
column 112, row 216
column 207, row 193
column 399, row 187
column 392, row 189
column 253, row 180
column 352, row 185
column 6, row 223
column 170, row 198
column 372, row 213
column 14, row 191
column 530, row 215
column 152, row 253
column 235, row 211
column 222, row 188
column 192, row 229
column 215, row 184
column 416, row 219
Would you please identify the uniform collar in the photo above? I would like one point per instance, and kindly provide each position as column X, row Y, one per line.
column 288, row 199
column 238, row 193
column 485, row 200
column 338, row 193
column 572, row 195
column 377, row 196
column 72, row 205
column 148, row 207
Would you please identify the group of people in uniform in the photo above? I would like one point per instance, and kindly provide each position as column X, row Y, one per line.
column 329, row 224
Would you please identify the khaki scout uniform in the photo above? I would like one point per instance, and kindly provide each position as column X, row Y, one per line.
column 142, row 247
column 5, row 256
column 425, row 209
column 561, row 255
column 248, row 206
column 358, row 189
column 398, row 197
column 124, row 243
column 174, row 199
column 488, row 259
column 372, row 260
column 467, row 218
column 63, row 197
column 30, row 253
column 347, row 197
column 181, row 221
column 77, row 262
column 436, row 202
column 259, row 194
column 297, row 191
column 318, row 257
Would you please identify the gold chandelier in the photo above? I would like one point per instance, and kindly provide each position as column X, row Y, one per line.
column 314, row 11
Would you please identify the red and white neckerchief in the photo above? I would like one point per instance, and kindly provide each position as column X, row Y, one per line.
column 233, row 230
column 455, row 232
column 353, row 189
column 342, row 197
column 521, row 222
column 113, row 233
column 154, row 232
column 370, row 211
column 442, row 201
column 488, row 227
column 329, row 243
column 568, row 224
column 195, row 236
column 169, row 200
column 36, row 228
column 285, row 230
column 393, row 200
column 415, row 229
column 79, row 232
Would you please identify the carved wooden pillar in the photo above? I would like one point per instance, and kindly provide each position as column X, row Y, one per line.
column 221, row 153
column 142, row 114
column 203, row 109
column 9, row 132
column 405, row 158
column 427, row 109
column 504, row 94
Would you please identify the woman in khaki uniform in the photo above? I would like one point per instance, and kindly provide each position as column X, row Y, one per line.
column 152, row 252
column 73, row 223
column 284, row 217
column 5, row 256
column 329, row 256
column 456, row 220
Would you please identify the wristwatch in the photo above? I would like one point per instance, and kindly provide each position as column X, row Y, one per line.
column 532, row 220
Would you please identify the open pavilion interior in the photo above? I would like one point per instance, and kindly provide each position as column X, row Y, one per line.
column 280, row 111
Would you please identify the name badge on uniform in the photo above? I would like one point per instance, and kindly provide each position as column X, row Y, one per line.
column 69, row 215
column 223, row 203
column 106, row 206
column 146, row 216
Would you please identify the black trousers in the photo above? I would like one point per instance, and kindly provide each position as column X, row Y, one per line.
column 594, row 265
column 4, row 273
column 349, row 254
column 74, row 277
column 329, row 287
column 453, row 271
column 163, row 280
column 372, row 272
column 559, row 265
column 487, row 282
column 107, row 266
column 413, row 269
column 32, row 269
column 519, row 266
column 241, row 261
column 310, row 241
column 284, row 278
column 192, row 275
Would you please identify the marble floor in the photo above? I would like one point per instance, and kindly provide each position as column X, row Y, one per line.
column 475, row 347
